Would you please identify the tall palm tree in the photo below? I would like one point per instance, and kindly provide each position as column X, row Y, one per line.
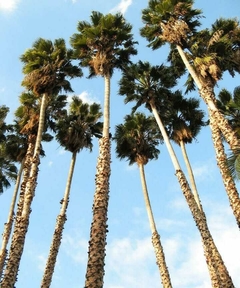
column 74, row 132
column 136, row 141
column 176, row 23
column 102, row 45
column 183, row 126
column 141, row 84
column 46, row 66
column 206, row 55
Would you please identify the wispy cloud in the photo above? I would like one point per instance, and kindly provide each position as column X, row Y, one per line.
column 85, row 97
column 8, row 5
column 50, row 163
column 205, row 171
column 62, row 151
column 131, row 262
column 75, row 248
column 122, row 6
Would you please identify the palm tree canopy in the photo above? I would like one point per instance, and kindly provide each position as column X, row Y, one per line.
column 229, row 105
column 8, row 171
column 27, row 114
column 169, row 21
column 216, row 50
column 103, row 44
column 137, row 138
column 186, row 119
column 3, row 126
column 144, row 84
column 211, row 51
column 80, row 124
column 46, row 65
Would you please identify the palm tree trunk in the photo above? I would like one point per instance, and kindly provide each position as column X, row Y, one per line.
column 217, row 270
column 106, row 110
column 208, row 96
column 22, row 221
column 160, row 257
column 26, row 171
column 228, row 182
column 191, row 176
column 8, row 226
column 57, row 236
column 98, row 233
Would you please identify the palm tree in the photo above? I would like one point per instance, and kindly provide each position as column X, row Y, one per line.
column 176, row 22
column 206, row 55
column 141, row 84
column 183, row 126
column 46, row 66
column 74, row 132
column 102, row 45
column 136, row 141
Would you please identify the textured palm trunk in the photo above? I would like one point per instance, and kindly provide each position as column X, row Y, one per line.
column 22, row 221
column 228, row 182
column 217, row 270
column 191, row 176
column 160, row 257
column 98, row 232
column 26, row 171
column 58, row 232
column 9, row 224
column 208, row 96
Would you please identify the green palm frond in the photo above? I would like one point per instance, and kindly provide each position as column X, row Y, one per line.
column 46, row 66
column 76, row 130
column 233, row 163
column 164, row 21
column 103, row 44
column 137, row 139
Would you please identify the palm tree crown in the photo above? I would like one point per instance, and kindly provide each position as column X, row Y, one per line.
column 169, row 21
column 137, row 139
column 75, row 130
column 103, row 44
column 186, row 119
column 46, row 66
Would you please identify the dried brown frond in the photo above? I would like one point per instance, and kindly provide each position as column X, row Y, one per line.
column 100, row 63
column 32, row 124
column 215, row 37
column 174, row 31
column 183, row 134
column 141, row 159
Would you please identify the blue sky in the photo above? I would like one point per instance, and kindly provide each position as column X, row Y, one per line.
column 130, row 260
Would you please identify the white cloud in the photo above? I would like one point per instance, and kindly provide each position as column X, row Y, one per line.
column 205, row 171
column 62, row 151
column 50, row 163
column 75, row 248
column 8, row 5
column 122, row 6
column 85, row 97
column 130, row 261
column 42, row 259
